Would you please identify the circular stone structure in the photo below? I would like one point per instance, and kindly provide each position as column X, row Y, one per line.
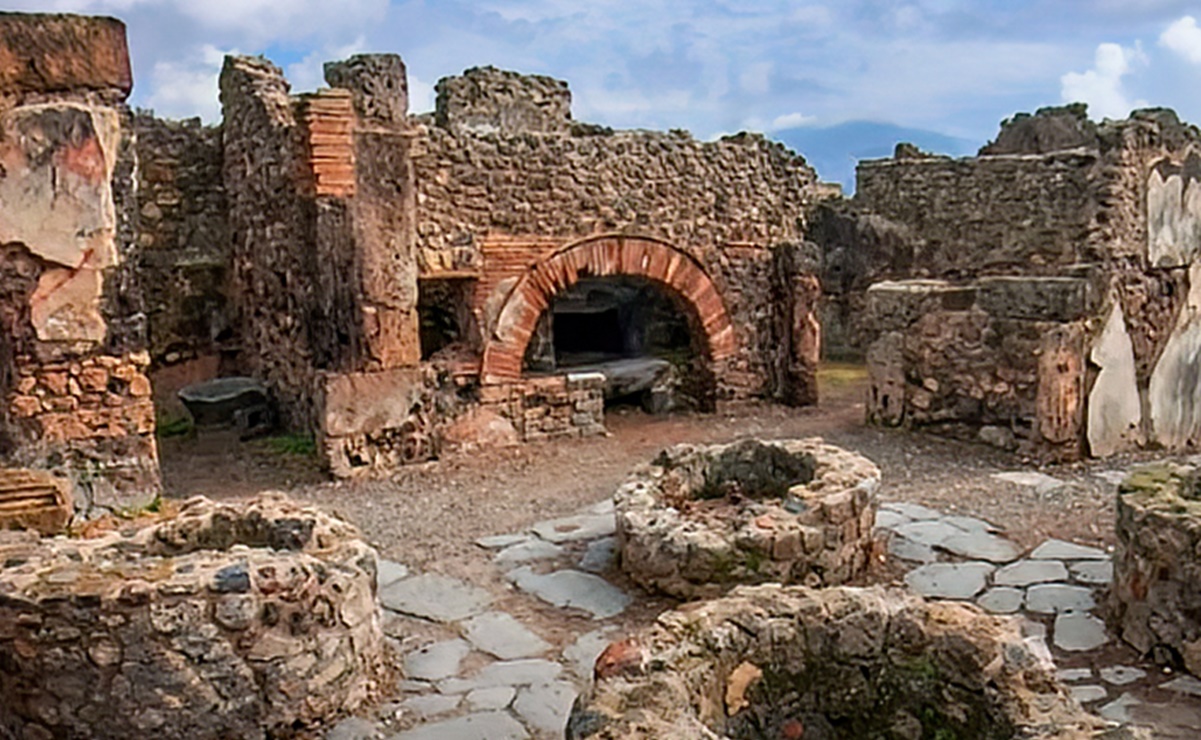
column 699, row 520
column 246, row 620
column 789, row 662
column 1155, row 599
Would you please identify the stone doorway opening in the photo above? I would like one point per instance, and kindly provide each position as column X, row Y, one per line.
column 645, row 339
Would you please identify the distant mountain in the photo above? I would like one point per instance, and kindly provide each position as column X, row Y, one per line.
column 834, row 150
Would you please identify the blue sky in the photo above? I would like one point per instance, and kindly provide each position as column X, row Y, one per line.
column 956, row 67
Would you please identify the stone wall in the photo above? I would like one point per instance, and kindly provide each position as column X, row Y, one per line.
column 72, row 344
column 552, row 407
column 184, row 239
column 1099, row 240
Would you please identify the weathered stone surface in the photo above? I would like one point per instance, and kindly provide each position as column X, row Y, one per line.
column 1093, row 572
column 981, row 546
column 477, row 726
column 529, row 672
column 1114, row 410
column 571, row 588
column 435, row 597
column 949, row 580
column 378, row 83
column 1060, row 550
column 909, row 550
column 1120, row 675
column 833, row 653
column 367, row 403
column 501, row 635
column 1076, row 632
column 1056, row 598
column 803, row 513
column 545, row 707
column 431, row 705
column 575, row 528
column 600, row 556
column 1088, row 694
column 1174, row 212
column 229, row 620
column 1041, row 482
column 42, row 53
column 1026, row 572
column 1175, row 397
column 436, row 661
column 495, row 697
column 1001, row 600
column 533, row 549
column 36, row 500
column 1058, row 299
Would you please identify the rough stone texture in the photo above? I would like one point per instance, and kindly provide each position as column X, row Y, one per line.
column 71, row 310
column 1154, row 597
column 767, row 660
column 34, row 500
column 228, row 620
column 1061, row 312
column 699, row 520
column 541, row 408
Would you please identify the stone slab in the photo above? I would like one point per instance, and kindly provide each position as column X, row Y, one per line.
column 575, row 589
column 388, row 572
column 505, row 673
column 1074, row 674
column 493, row 697
column 931, row 532
column 546, row 707
column 970, row 524
column 1056, row 598
column 523, row 552
column 890, row 520
column 1076, row 631
column 913, row 511
column 1060, row 550
column 354, row 728
column 581, row 655
column 1120, row 675
column 1183, row 685
column 949, row 580
column 1040, row 482
column 981, row 546
column 501, row 541
column 478, row 726
column 54, row 53
column 436, row 661
column 906, row 549
column 435, row 597
column 501, row 635
column 578, row 527
column 1026, row 572
column 1118, row 710
column 1001, row 600
column 1093, row 572
column 1088, row 693
column 600, row 556
column 431, row 705
column 1114, row 409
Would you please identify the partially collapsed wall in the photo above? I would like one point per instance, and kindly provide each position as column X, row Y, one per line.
column 1035, row 297
column 72, row 344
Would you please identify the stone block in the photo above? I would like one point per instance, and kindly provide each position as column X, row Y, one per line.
column 1059, row 299
column 367, row 403
column 43, row 53
column 34, row 499
column 378, row 83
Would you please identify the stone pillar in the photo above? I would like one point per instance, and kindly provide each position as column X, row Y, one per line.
column 72, row 331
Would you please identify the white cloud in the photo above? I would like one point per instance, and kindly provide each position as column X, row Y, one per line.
column 756, row 78
column 1101, row 87
column 188, row 87
column 421, row 95
column 309, row 73
column 791, row 120
column 1184, row 38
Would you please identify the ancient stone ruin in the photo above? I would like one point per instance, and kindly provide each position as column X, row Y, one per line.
column 790, row 662
column 1037, row 297
column 699, row 520
column 246, row 620
column 1155, row 601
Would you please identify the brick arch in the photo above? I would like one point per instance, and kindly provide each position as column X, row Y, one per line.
column 602, row 256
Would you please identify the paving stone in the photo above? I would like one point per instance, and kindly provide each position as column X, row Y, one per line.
column 1120, row 675
column 949, row 580
column 581, row 655
column 410, row 686
column 981, row 546
column 1026, row 572
column 388, row 572
column 531, row 549
column 354, row 728
column 1040, row 482
column 493, row 697
column 478, row 726
column 1055, row 598
column 1032, row 628
column 1060, row 550
column 575, row 528
column 437, row 661
column 913, row 511
column 572, row 588
column 435, row 597
column 890, row 520
column 1118, row 710
column 1113, row 477
column 928, row 531
column 505, row 673
column 500, row 634
column 970, row 523
column 910, row 550
column 1001, row 600
column 501, row 541
column 1088, row 694
column 604, row 506
column 1183, row 685
column 1074, row 674
column 1095, row 572
column 545, row 707
column 431, row 705
column 1076, row 631
column 600, row 555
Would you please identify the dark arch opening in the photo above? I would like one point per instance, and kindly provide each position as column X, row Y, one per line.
column 644, row 337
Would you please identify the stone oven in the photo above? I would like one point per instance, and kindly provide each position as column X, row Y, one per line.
column 1156, row 602
column 699, row 520
column 227, row 620
column 790, row 662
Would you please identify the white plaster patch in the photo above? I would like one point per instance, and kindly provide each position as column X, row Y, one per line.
column 1175, row 393
column 1114, row 411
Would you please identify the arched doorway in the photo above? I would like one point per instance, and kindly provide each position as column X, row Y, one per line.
column 640, row 259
